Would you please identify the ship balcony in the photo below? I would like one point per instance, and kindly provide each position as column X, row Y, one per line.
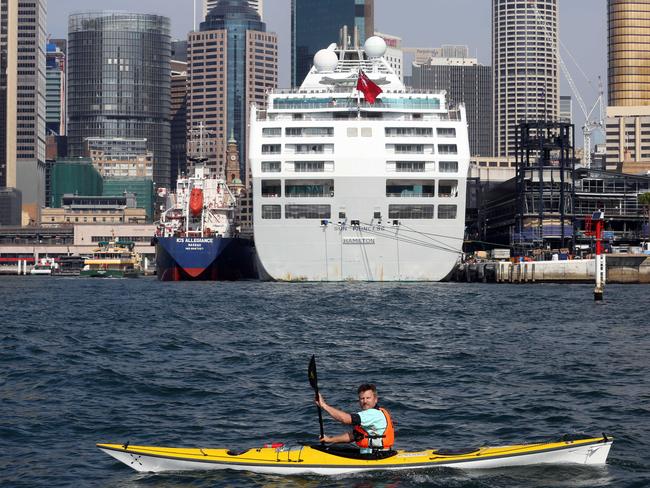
column 346, row 104
column 411, row 188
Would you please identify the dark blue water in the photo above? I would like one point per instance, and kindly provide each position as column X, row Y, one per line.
column 224, row 365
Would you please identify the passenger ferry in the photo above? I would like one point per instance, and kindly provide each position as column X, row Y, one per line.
column 349, row 188
column 113, row 259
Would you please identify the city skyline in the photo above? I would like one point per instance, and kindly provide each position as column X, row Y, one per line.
column 587, row 45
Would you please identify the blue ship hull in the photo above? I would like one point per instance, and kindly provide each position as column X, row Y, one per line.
column 204, row 259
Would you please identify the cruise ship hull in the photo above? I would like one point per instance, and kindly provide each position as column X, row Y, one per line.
column 205, row 259
column 364, row 253
column 385, row 249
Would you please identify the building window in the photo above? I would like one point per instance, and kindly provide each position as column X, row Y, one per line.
column 272, row 132
column 309, row 188
column 409, row 166
column 446, row 132
column 409, row 148
column 410, row 188
column 413, row 212
column 309, row 131
column 309, row 166
column 271, row 188
column 448, row 166
column 447, row 149
column 271, row 148
column 271, row 166
column 409, row 132
column 307, row 211
column 271, row 211
column 310, row 148
column 447, row 211
column 448, row 188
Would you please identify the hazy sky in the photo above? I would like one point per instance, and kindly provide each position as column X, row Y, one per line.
column 420, row 23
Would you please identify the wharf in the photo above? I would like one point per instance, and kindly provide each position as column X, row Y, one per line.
column 621, row 268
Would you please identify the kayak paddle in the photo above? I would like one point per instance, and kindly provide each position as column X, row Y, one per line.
column 313, row 381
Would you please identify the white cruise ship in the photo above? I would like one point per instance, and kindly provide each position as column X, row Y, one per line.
column 344, row 189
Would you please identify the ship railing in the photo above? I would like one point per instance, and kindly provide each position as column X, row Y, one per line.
column 452, row 116
column 411, row 195
column 294, row 91
column 348, row 103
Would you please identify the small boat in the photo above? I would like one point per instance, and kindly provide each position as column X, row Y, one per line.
column 44, row 266
column 335, row 460
column 113, row 259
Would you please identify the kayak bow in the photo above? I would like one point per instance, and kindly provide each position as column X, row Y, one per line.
column 330, row 460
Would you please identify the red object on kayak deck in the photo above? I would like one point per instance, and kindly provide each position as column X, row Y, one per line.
column 196, row 201
column 274, row 445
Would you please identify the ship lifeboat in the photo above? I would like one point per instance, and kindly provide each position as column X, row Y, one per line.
column 196, row 201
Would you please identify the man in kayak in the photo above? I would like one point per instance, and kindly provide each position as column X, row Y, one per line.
column 372, row 427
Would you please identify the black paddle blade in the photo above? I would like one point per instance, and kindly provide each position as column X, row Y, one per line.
column 311, row 373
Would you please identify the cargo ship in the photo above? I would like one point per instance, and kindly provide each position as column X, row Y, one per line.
column 197, row 238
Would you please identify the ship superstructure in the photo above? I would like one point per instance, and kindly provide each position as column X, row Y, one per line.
column 201, row 207
column 345, row 189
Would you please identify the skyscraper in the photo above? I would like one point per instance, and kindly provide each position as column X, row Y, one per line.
column 256, row 4
column 119, row 82
column 8, row 71
column 178, row 120
column 629, row 52
column 525, row 68
column 466, row 82
column 566, row 109
column 628, row 113
column 315, row 24
column 232, row 62
column 22, row 93
column 55, row 116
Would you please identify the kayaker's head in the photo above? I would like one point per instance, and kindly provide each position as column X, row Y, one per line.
column 367, row 396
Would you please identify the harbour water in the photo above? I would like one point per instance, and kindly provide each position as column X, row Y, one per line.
column 224, row 365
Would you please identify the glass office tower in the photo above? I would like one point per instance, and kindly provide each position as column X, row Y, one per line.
column 316, row 24
column 232, row 37
column 119, row 82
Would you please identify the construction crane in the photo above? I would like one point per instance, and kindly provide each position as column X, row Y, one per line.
column 590, row 125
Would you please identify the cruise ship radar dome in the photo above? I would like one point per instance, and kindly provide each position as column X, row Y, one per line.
column 325, row 61
column 375, row 47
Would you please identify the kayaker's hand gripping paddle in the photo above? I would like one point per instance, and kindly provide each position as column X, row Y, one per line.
column 313, row 381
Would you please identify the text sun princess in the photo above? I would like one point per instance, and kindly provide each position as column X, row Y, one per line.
column 356, row 177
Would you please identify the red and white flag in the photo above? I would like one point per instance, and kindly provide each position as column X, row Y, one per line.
column 366, row 86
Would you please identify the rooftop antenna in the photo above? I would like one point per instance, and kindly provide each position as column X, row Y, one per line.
column 194, row 15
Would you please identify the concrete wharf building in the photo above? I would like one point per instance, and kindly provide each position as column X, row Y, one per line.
column 525, row 66
column 119, row 82
column 55, row 240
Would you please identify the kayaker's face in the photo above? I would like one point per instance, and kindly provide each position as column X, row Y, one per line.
column 367, row 399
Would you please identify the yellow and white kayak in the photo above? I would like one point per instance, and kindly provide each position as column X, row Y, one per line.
column 330, row 460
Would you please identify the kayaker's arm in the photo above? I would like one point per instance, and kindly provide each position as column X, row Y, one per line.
column 335, row 413
column 332, row 439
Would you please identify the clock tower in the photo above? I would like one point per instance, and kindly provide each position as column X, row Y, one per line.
column 233, row 177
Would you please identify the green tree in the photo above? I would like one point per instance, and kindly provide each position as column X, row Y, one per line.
column 644, row 200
